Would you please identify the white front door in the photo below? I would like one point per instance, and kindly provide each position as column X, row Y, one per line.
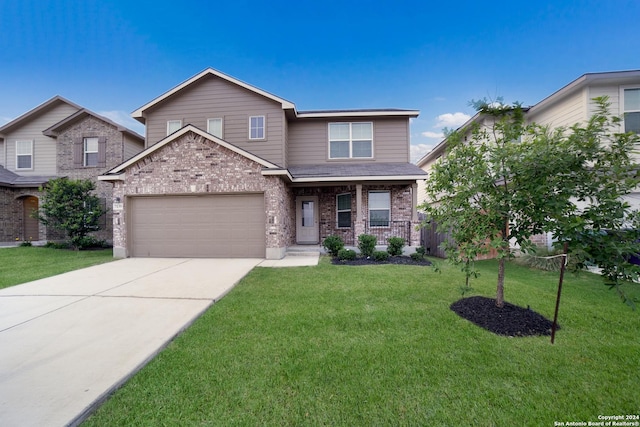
column 307, row 230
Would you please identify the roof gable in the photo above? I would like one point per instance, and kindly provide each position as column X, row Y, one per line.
column 40, row 109
column 139, row 113
column 54, row 130
column 174, row 136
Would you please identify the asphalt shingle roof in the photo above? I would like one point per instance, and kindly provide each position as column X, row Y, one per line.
column 355, row 169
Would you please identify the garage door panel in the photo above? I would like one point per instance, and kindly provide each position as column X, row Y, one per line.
column 205, row 226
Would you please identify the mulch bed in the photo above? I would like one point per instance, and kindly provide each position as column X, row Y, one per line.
column 510, row 320
column 400, row 260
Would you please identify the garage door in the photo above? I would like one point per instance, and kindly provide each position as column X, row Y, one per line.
column 221, row 226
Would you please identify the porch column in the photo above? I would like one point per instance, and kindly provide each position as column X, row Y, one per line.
column 360, row 215
column 414, row 202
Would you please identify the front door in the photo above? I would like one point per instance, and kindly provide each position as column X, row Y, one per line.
column 307, row 231
column 30, row 229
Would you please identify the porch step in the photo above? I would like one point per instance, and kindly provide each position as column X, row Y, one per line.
column 304, row 250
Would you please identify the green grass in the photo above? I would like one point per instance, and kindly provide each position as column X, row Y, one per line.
column 378, row 345
column 27, row 263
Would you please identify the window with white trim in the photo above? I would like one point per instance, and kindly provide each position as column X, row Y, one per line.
column 256, row 127
column 90, row 151
column 631, row 110
column 351, row 140
column 343, row 210
column 214, row 127
column 24, row 154
column 379, row 208
column 173, row 125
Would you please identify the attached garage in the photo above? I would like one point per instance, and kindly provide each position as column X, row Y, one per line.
column 203, row 226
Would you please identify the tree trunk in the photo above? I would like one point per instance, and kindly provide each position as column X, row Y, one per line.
column 500, row 290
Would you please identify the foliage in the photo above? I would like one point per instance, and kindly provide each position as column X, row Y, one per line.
column 86, row 242
column 26, row 243
column 417, row 256
column 510, row 181
column 421, row 250
column 395, row 245
column 346, row 254
column 333, row 244
column 367, row 244
column 70, row 206
column 381, row 255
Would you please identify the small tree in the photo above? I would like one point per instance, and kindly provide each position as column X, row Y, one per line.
column 71, row 207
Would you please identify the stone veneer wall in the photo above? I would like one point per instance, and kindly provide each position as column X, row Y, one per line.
column 193, row 164
column 91, row 127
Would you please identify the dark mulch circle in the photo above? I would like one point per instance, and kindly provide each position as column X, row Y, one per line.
column 400, row 260
column 510, row 320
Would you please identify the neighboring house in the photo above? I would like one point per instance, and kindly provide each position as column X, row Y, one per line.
column 57, row 138
column 230, row 170
column 570, row 105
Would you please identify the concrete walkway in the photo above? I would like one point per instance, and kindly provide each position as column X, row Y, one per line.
column 67, row 341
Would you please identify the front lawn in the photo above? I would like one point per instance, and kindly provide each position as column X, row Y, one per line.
column 27, row 263
column 379, row 345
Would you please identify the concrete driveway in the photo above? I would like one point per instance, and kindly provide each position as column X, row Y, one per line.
column 67, row 341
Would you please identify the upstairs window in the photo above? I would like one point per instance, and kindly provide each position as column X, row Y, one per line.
column 24, row 154
column 351, row 140
column 256, row 127
column 214, row 127
column 343, row 205
column 379, row 208
column 90, row 151
column 173, row 125
column 632, row 110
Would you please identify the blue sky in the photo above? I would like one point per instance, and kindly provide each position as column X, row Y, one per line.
column 113, row 56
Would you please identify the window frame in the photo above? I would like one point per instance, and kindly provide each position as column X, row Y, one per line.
column 221, row 120
column 339, row 211
column 263, row 128
column 623, row 111
column 351, row 140
column 169, row 122
column 18, row 155
column 85, row 151
column 370, row 210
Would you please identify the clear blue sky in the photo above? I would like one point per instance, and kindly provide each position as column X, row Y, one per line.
column 113, row 56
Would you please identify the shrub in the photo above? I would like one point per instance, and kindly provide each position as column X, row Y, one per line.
column 333, row 244
column 417, row 256
column 56, row 245
column 86, row 242
column 367, row 244
column 381, row 256
column 346, row 254
column 25, row 243
column 421, row 250
column 395, row 245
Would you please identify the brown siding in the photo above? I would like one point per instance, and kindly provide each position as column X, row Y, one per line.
column 308, row 140
column 212, row 97
column 44, row 147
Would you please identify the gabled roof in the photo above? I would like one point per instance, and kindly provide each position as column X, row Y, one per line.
column 54, row 130
column 115, row 172
column 29, row 115
column 10, row 179
column 139, row 113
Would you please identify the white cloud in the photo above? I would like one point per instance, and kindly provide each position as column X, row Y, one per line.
column 451, row 120
column 436, row 135
column 123, row 118
column 418, row 151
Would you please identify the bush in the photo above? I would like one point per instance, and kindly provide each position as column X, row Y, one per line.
column 395, row 245
column 56, row 245
column 333, row 244
column 86, row 242
column 367, row 244
column 421, row 250
column 417, row 256
column 346, row 254
column 25, row 243
column 381, row 256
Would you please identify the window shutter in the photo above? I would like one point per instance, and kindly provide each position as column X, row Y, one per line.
column 102, row 151
column 78, row 152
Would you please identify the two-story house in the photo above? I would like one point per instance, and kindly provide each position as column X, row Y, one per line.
column 55, row 139
column 230, row 170
column 569, row 105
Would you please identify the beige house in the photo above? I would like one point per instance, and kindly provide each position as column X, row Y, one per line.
column 57, row 138
column 570, row 105
column 230, row 170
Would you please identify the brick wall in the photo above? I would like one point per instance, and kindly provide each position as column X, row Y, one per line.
column 193, row 164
